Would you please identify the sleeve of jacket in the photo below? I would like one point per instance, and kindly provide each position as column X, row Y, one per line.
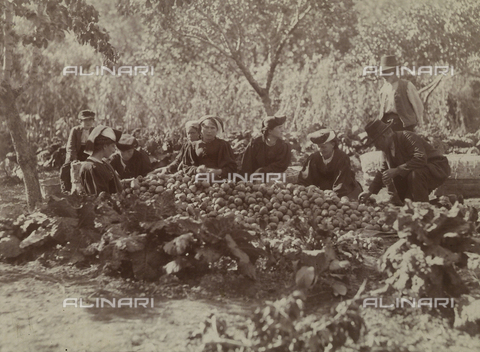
column 282, row 162
column 247, row 159
column 190, row 162
column 377, row 183
column 343, row 177
column 146, row 166
column 92, row 182
column 117, row 164
column 414, row 148
column 175, row 164
column 416, row 102
column 226, row 160
column 381, row 97
column 71, row 146
column 305, row 176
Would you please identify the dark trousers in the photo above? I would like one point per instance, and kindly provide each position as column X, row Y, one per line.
column 418, row 184
column 397, row 124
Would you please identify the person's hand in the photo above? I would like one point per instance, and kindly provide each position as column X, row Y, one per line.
column 216, row 172
column 364, row 196
column 389, row 174
column 201, row 169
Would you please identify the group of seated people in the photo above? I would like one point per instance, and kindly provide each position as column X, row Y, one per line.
column 412, row 170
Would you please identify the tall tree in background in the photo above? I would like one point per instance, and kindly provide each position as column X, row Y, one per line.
column 250, row 35
column 43, row 21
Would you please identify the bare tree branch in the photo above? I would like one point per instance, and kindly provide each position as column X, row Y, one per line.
column 430, row 88
column 283, row 41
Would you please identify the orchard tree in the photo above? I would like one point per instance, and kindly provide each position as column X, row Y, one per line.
column 245, row 37
column 420, row 33
column 36, row 23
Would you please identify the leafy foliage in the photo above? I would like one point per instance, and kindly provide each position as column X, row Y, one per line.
column 432, row 241
column 282, row 326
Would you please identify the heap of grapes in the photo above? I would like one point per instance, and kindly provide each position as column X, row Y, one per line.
column 273, row 204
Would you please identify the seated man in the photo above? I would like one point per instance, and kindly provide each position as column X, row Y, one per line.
column 413, row 168
column 329, row 168
column 131, row 162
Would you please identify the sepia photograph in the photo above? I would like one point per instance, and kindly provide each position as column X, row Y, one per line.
column 239, row 175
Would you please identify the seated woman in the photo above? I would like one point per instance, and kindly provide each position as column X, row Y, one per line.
column 97, row 175
column 268, row 153
column 329, row 168
column 131, row 162
column 210, row 154
column 192, row 130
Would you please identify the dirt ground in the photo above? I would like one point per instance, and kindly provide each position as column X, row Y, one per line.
column 32, row 316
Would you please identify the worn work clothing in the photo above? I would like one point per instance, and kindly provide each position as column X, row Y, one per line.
column 262, row 158
column 337, row 175
column 138, row 165
column 401, row 98
column 180, row 159
column 99, row 176
column 217, row 154
column 422, row 167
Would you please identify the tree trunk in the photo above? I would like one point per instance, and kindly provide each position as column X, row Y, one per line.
column 267, row 103
column 26, row 157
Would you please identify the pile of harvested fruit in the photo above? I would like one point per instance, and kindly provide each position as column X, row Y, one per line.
column 273, row 204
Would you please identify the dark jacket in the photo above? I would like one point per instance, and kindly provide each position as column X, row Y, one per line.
column 261, row 158
column 97, row 177
column 217, row 154
column 404, row 108
column 337, row 175
column 138, row 165
column 179, row 161
column 412, row 152
column 74, row 144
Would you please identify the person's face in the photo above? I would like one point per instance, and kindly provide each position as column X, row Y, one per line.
column 391, row 78
column 109, row 149
column 87, row 124
column 276, row 132
column 209, row 129
column 127, row 154
column 326, row 149
column 193, row 135
column 383, row 142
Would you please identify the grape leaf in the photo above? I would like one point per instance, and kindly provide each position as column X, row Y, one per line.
column 305, row 277
column 146, row 264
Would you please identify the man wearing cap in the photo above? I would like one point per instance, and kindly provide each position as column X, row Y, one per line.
column 268, row 153
column 329, row 168
column 96, row 174
column 414, row 166
column 131, row 162
column 76, row 146
column 400, row 102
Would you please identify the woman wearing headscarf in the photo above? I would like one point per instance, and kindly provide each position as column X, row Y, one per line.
column 192, row 130
column 329, row 168
column 130, row 162
column 96, row 174
column 210, row 154
column 268, row 153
